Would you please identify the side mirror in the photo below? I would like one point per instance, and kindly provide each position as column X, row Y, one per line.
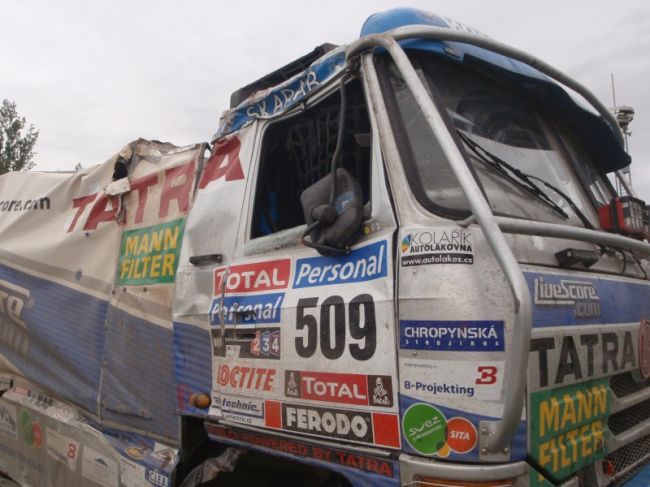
column 333, row 227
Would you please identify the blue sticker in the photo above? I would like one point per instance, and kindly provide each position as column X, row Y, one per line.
column 457, row 336
column 363, row 264
column 249, row 309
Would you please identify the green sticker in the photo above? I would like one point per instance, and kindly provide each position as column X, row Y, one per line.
column 568, row 427
column 150, row 255
column 26, row 429
column 424, row 428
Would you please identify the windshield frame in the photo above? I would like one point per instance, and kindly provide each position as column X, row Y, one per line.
column 560, row 137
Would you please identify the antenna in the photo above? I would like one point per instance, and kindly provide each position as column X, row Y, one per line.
column 624, row 115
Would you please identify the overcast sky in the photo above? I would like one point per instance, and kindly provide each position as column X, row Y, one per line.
column 92, row 76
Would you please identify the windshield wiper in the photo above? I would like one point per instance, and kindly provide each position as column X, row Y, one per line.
column 524, row 180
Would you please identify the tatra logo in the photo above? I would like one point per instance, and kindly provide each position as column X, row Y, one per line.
column 13, row 330
column 582, row 295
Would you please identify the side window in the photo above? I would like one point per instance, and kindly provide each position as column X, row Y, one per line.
column 297, row 152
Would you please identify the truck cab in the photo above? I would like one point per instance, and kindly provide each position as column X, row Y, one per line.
column 481, row 323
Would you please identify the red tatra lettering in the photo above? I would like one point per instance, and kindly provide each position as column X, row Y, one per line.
column 100, row 212
column 80, row 204
column 141, row 185
column 215, row 167
column 385, row 469
column 173, row 190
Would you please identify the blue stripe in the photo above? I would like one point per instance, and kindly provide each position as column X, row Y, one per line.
column 193, row 364
column 66, row 338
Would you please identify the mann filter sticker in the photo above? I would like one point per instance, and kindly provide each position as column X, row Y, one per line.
column 456, row 336
column 567, row 427
column 150, row 255
column 436, row 247
column 362, row 264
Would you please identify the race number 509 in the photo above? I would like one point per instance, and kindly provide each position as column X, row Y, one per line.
column 331, row 326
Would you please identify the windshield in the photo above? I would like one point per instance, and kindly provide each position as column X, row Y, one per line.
column 526, row 164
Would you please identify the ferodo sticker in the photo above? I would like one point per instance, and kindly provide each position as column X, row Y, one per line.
column 429, row 432
column 336, row 423
column 381, row 429
column 568, row 424
column 358, row 389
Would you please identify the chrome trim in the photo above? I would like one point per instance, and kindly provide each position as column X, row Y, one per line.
column 620, row 404
column 628, row 436
column 495, row 436
column 411, row 467
column 543, row 229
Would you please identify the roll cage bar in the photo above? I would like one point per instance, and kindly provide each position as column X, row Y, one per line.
column 495, row 436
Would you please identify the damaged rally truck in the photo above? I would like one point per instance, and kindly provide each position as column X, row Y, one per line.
column 402, row 262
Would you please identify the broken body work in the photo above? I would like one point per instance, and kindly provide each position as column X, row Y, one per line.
column 159, row 279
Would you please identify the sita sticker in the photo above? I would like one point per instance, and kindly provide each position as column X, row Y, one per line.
column 644, row 348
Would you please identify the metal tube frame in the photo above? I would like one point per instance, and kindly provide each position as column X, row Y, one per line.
column 495, row 436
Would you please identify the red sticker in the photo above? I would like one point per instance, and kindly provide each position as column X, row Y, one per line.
column 38, row 434
column 461, row 435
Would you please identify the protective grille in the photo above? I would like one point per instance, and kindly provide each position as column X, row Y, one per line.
column 629, row 456
column 624, row 384
column 629, row 418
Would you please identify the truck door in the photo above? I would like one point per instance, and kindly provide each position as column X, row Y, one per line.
column 305, row 343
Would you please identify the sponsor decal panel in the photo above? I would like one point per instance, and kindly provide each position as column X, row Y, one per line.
column 263, row 343
column 581, row 297
column 132, row 474
column 252, row 278
column 240, row 409
column 334, row 423
column 157, row 477
column 150, row 255
column 8, row 421
column 99, row 468
column 62, row 448
column 30, row 430
column 247, row 310
column 567, row 426
column 429, row 432
column 436, row 247
column 574, row 357
column 357, row 389
column 429, row 379
column 335, row 456
column 456, row 336
column 13, row 329
column 245, row 378
column 362, row 264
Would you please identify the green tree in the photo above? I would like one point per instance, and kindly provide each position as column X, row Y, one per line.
column 16, row 142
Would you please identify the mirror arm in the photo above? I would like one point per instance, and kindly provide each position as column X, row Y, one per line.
column 322, row 249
